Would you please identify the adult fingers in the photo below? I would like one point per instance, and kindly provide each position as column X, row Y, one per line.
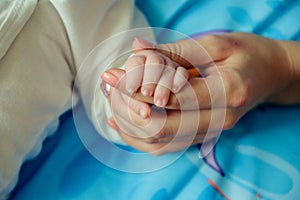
column 198, row 93
column 124, row 117
column 170, row 124
column 139, row 107
column 130, row 122
column 190, row 123
column 199, row 137
column 154, row 148
column 116, row 78
column 157, row 147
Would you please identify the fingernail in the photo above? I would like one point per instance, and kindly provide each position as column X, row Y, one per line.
column 129, row 90
column 175, row 89
column 105, row 88
column 110, row 78
column 164, row 102
column 106, row 75
column 158, row 103
column 146, row 93
column 143, row 113
column 161, row 102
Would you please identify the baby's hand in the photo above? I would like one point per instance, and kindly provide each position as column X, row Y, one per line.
column 154, row 73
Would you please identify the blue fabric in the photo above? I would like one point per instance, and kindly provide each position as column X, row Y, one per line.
column 270, row 18
column 258, row 159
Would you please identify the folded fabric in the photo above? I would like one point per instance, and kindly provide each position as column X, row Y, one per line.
column 258, row 158
column 38, row 70
column 13, row 16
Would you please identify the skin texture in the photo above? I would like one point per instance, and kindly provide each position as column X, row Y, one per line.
column 156, row 74
column 253, row 70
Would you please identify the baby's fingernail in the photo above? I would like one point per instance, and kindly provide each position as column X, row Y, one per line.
column 161, row 103
column 143, row 113
column 175, row 89
column 106, row 75
column 158, row 102
column 110, row 78
column 105, row 88
column 130, row 90
column 146, row 93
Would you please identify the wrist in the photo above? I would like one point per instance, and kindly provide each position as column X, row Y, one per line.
column 290, row 62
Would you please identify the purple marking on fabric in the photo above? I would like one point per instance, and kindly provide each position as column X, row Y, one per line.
column 208, row 149
column 208, row 154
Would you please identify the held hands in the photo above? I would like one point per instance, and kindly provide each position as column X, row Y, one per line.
column 252, row 70
column 154, row 73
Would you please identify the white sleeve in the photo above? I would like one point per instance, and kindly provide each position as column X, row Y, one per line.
column 99, row 33
column 36, row 86
column 13, row 16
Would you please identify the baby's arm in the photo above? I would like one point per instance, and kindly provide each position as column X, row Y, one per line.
column 156, row 74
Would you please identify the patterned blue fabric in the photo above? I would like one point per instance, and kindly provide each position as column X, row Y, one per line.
column 259, row 158
column 270, row 18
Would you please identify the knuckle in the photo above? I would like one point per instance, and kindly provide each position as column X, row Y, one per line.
column 222, row 44
column 230, row 121
column 240, row 97
column 238, row 89
column 135, row 61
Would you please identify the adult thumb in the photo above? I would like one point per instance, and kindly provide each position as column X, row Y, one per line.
column 113, row 77
column 187, row 53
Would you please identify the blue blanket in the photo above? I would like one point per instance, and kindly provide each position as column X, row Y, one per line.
column 258, row 159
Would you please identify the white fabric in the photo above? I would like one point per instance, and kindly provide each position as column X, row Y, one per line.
column 13, row 16
column 40, row 66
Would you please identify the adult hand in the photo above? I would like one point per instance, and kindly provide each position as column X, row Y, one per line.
column 156, row 134
column 252, row 69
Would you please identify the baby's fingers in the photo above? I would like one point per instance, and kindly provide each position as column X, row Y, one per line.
column 164, row 86
column 153, row 69
column 180, row 78
column 139, row 107
column 173, row 79
column 134, row 67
